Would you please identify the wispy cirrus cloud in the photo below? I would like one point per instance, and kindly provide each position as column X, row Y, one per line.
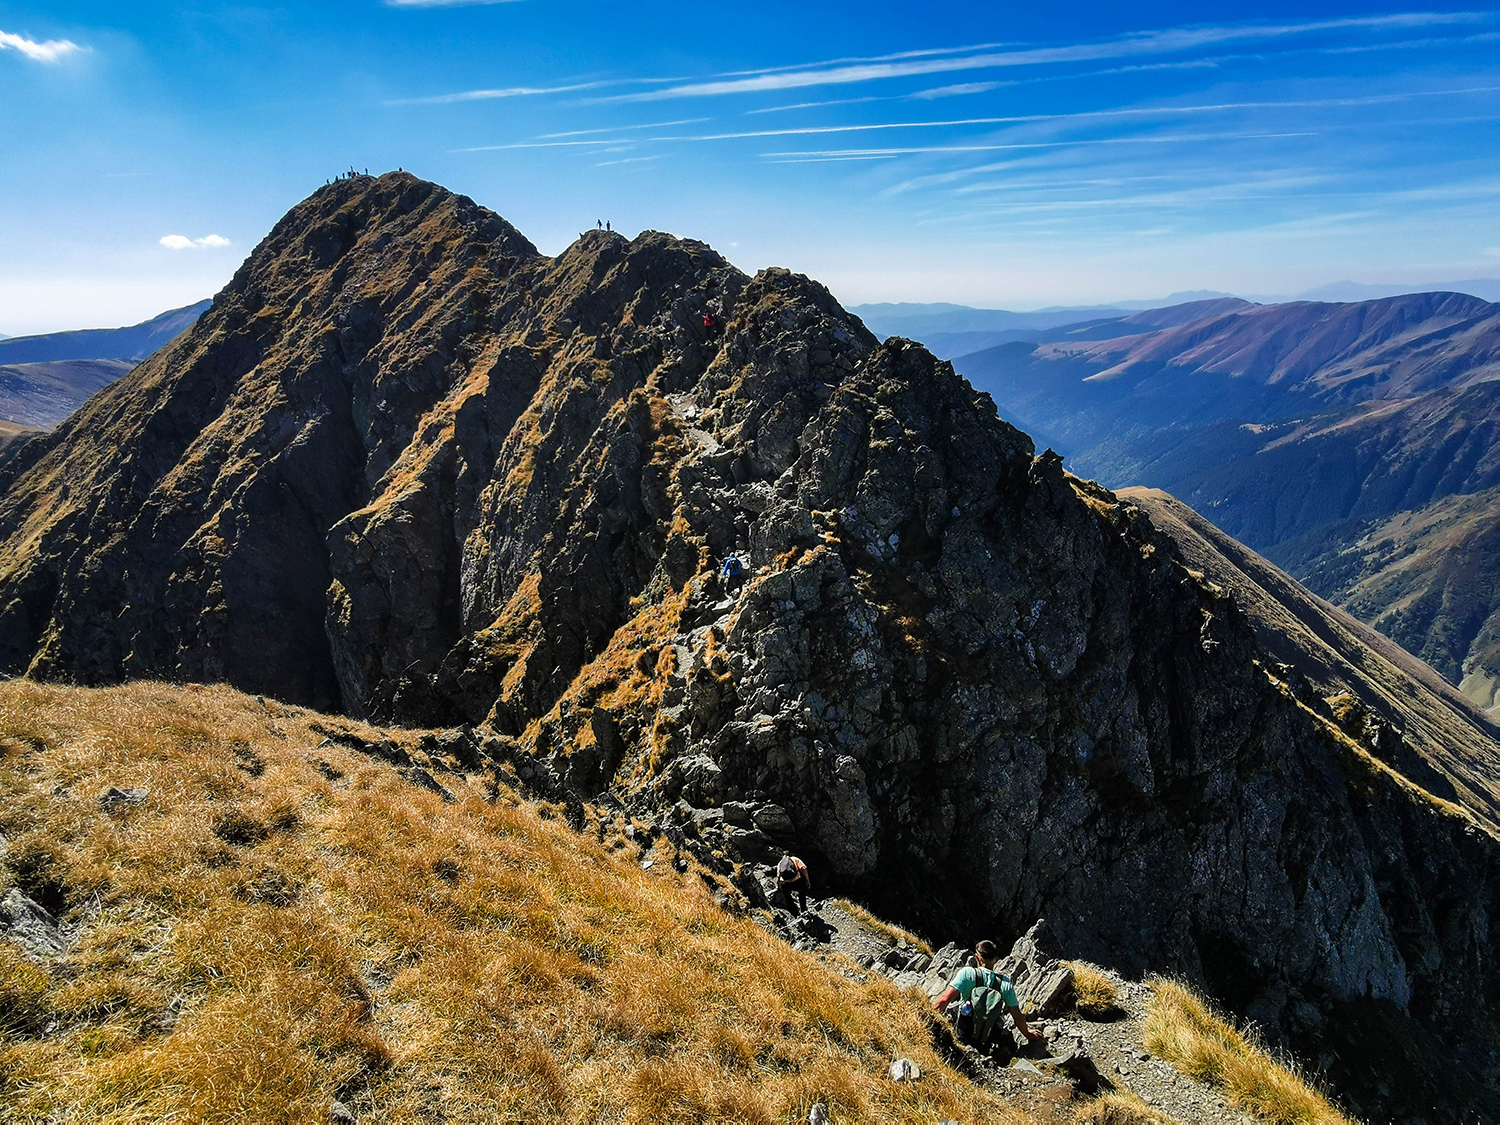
column 976, row 56
column 622, row 128
column 183, row 242
column 441, row 3
column 1134, row 113
column 51, row 51
column 909, row 150
column 956, row 91
column 499, row 92
column 1141, row 43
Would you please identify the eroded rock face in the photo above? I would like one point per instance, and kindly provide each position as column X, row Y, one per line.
column 408, row 465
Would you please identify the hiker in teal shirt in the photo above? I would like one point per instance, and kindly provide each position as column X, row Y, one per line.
column 963, row 983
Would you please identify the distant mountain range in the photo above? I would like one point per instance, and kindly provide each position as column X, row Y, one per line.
column 1353, row 444
column 45, row 378
column 952, row 330
column 133, row 343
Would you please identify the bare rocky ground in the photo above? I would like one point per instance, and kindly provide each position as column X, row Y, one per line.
column 1081, row 1057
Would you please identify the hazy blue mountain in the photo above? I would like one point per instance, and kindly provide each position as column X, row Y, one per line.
column 1486, row 289
column 40, row 395
column 954, row 330
column 1356, row 444
column 132, row 344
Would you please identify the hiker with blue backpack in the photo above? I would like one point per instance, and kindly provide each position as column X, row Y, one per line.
column 732, row 573
column 986, row 996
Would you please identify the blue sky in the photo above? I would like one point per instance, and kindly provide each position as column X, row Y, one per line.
column 996, row 155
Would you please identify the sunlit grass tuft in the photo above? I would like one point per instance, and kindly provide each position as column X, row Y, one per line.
column 1120, row 1107
column 1095, row 995
column 1183, row 1030
column 878, row 925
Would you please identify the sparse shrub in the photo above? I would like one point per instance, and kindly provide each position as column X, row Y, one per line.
column 1095, row 995
column 1120, row 1107
column 24, row 1009
column 239, row 828
column 1181, row 1028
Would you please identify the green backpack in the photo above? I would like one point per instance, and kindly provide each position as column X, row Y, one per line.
column 988, row 1004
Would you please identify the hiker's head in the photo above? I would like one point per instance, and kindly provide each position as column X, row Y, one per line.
column 786, row 870
column 984, row 952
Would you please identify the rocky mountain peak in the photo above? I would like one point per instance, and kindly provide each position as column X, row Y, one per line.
column 409, row 467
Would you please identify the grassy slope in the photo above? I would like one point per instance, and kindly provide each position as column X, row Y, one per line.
column 1182, row 1029
column 1427, row 578
column 42, row 395
column 260, row 939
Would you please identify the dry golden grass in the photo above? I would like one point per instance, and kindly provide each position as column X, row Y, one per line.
column 1120, row 1107
column 1095, row 995
column 880, row 926
column 1182, row 1029
column 279, row 925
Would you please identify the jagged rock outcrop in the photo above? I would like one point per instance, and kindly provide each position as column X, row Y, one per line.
column 410, row 466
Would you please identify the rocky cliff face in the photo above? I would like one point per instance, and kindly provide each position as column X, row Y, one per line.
column 407, row 465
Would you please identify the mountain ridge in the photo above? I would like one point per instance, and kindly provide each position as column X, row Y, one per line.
column 408, row 465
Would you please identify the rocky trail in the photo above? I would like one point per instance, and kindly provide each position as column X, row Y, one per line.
column 1081, row 1056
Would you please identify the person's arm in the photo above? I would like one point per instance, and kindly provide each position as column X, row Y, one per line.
column 1030, row 1033
column 945, row 999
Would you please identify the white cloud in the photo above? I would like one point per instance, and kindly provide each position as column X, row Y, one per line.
column 183, row 242
column 440, row 3
column 50, row 51
column 956, row 91
column 506, row 92
column 981, row 56
column 1491, row 251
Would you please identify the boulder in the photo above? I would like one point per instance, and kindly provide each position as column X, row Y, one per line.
column 1043, row 985
column 30, row 925
column 773, row 820
column 904, row 1070
column 116, row 798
